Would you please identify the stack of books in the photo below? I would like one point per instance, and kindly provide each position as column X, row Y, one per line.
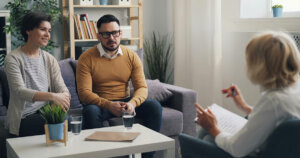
column 85, row 28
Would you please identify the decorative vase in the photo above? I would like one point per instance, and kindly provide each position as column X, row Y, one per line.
column 56, row 131
column 277, row 12
column 103, row 2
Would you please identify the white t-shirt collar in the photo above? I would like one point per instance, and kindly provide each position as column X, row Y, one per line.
column 106, row 55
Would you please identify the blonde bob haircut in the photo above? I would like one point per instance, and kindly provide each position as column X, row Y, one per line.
column 272, row 60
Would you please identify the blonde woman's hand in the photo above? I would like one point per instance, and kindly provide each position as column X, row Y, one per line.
column 207, row 120
column 234, row 92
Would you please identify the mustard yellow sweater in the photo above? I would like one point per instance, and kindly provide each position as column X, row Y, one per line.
column 100, row 80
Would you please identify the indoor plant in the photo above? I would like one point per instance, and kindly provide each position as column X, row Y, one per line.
column 54, row 116
column 277, row 10
column 158, row 59
column 19, row 8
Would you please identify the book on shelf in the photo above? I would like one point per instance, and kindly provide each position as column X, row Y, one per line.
column 76, row 29
column 79, row 27
column 87, row 23
column 84, row 28
column 86, row 36
column 95, row 25
column 92, row 29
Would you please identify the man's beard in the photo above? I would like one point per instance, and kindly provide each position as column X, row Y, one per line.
column 110, row 49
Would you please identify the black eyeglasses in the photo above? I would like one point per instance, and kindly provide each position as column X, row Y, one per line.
column 107, row 34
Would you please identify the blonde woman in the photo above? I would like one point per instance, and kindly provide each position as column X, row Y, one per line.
column 273, row 64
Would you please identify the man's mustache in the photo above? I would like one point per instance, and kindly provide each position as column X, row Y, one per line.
column 111, row 41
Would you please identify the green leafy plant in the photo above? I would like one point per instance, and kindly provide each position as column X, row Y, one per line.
column 19, row 8
column 277, row 6
column 53, row 114
column 158, row 51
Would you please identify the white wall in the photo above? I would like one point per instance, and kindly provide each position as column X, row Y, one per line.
column 157, row 16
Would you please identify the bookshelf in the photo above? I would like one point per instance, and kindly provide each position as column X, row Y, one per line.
column 5, row 44
column 129, row 15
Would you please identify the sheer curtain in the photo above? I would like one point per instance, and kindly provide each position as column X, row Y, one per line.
column 198, row 57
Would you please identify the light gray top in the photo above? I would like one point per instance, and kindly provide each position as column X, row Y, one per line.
column 37, row 78
column 19, row 93
column 274, row 107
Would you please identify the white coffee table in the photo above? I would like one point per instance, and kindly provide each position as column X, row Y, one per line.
column 77, row 147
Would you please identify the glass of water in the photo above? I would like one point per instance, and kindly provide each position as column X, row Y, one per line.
column 128, row 119
column 76, row 123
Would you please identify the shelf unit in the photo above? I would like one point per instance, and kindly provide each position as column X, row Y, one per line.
column 4, row 15
column 134, row 14
column 5, row 38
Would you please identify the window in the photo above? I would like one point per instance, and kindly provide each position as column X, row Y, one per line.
column 288, row 5
column 263, row 8
column 291, row 8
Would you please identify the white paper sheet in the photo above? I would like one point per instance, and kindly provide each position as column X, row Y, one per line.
column 227, row 121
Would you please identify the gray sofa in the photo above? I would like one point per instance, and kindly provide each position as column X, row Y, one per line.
column 178, row 109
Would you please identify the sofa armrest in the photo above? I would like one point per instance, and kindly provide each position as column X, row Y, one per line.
column 183, row 99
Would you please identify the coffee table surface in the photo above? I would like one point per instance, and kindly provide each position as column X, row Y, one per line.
column 77, row 147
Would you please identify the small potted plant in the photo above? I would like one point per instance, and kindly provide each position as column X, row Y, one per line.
column 277, row 10
column 54, row 116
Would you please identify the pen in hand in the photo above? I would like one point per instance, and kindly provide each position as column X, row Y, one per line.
column 196, row 120
column 233, row 90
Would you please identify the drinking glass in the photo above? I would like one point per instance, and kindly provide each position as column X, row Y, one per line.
column 128, row 119
column 76, row 123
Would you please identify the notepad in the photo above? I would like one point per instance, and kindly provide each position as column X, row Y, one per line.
column 227, row 121
column 112, row 136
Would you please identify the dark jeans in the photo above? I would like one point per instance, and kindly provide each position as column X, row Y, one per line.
column 192, row 147
column 150, row 111
column 34, row 125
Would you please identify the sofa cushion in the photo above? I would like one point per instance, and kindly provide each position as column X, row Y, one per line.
column 68, row 75
column 5, row 88
column 156, row 91
column 172, row 122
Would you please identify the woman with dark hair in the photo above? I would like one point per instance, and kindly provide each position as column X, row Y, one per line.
column 34, row 78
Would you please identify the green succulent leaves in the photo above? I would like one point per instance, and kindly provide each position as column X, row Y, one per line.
column 53, row 114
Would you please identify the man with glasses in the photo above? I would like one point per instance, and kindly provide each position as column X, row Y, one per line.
column 102, row 75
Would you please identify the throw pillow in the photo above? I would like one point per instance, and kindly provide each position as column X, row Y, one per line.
column 68, row 75
column 156, row 90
